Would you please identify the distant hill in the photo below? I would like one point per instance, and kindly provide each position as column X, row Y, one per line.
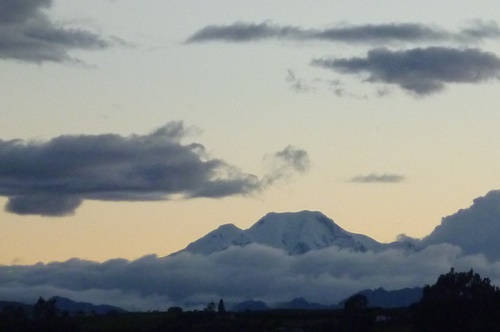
column 376, row 298
column 64, row 305
column 301, row 303
column 250, row 305
column 72, row 307
column 391, row 299
column 26, row 308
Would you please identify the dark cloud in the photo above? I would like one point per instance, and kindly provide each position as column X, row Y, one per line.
column 369, row 33
column 474, row 229
column 421, row 71
column 242, row 32
column 54, row 177
column 28, row 34
column 43, row 204
column 378, row 178
column 236, row 274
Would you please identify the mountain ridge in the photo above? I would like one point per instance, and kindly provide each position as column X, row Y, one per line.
column 294, row 232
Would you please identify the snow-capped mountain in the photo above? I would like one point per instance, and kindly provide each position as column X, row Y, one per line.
column 223, row 237
column 294, row 232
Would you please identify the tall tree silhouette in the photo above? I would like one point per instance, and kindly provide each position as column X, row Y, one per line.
column 221, row 308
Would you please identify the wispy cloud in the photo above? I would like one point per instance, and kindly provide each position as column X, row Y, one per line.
column 54, row 177
column 378, row 178
column 297, row 84
column 27, row 34
column 369, row 33
column 421, row 71
column 282, row 164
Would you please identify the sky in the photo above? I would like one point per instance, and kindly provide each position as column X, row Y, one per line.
column 134, row 129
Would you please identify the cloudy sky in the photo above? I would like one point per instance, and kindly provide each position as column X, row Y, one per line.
column 130, row 129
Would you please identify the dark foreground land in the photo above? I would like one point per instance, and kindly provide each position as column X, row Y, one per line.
column 274, row 320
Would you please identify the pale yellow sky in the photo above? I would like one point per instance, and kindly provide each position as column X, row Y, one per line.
column 237, row 99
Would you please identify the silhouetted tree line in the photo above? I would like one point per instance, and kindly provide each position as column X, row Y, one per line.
column 459, row 301
column 44, row 318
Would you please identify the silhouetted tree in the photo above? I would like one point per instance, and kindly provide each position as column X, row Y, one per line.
column 221, row 308
column 45, row 309
column 356, row 315
column 459, row 301
column 210, row 307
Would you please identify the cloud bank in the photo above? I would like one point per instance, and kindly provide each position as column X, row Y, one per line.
column 369, row 33
column 237, row 274
column 422, row 71
column 28, row 34
column 474, row 229
column 52, row 178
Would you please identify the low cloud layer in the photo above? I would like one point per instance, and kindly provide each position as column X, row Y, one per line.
column 378, row 178
column 28, row 34
column 421, row 71
column 237, row 274
column 369, row 33
column 53, row 178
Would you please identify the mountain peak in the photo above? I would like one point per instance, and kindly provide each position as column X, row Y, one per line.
column 299, row 232
column 294, row 232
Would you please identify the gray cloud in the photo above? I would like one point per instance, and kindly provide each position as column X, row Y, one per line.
column 297, row 158
column 237, row 274
column 378, row 178
column 474, row 229
column 54, row 177
column 371, row 33
column 421, row 71
column 27, row 34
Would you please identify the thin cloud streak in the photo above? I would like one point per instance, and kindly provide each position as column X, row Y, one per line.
column 378, row 178
column 422, row 71
column 370, row 33
column 27, row 34
column 53, row 178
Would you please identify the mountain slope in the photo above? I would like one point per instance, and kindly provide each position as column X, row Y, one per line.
column 391, row 299
column 218, row 240
column 72, row 307
column 293, row 232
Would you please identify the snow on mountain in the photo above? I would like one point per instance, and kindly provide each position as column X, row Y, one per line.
column 294, row 232
column 223, row 237
column 300, row 232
